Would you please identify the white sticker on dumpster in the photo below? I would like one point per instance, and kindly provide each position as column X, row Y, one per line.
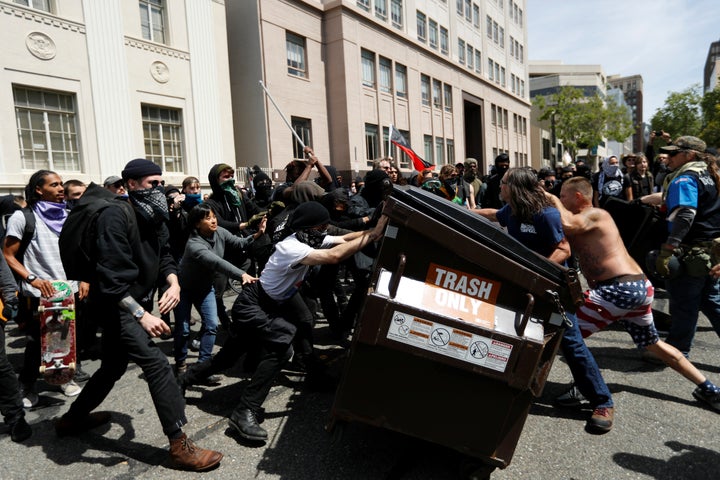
column 449, row 341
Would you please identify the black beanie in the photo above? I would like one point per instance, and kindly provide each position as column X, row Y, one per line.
column 140, row 168
column 374, row 177
column 309, row 214
column 260, row 177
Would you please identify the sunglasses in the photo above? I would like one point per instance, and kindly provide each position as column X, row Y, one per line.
column 156, row 183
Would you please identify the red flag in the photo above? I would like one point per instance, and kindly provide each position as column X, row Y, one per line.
column 418, row 163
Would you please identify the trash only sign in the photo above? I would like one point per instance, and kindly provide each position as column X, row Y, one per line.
column 449, row 341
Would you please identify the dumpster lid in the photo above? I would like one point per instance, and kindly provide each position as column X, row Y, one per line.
column 479, row 229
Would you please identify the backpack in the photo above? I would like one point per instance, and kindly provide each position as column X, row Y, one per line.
column 78, row 237
column 7, row 208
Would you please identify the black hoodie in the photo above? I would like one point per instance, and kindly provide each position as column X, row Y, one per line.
column 229, row 216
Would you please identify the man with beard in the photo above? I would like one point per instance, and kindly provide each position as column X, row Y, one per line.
column 492, row 195
column 610, row 182
column 133, row 255
column 266, row 315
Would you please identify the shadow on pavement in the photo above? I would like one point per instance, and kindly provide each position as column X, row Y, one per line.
column 690, row 462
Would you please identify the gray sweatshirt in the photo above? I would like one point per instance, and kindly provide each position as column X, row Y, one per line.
column 203, row 259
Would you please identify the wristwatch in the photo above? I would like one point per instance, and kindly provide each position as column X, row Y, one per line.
column 138, row 314
column 30, row 278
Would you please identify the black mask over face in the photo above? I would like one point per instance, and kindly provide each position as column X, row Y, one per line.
column 311, row 237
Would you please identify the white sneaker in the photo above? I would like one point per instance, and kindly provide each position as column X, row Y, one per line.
column 195, row 345
column 29, row 398
column 71, row 389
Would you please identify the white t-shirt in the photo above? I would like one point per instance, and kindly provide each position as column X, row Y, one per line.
column 42, row 257
column 283, row 273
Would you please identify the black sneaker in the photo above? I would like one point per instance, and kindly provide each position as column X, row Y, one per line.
column 81, row 375
column 712, row 399
column 570, row 399
column 20, row 430
column 601, row 420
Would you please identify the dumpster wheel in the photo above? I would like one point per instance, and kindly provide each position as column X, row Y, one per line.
column 474, row 469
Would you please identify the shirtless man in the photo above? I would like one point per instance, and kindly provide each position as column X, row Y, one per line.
column 618, row 289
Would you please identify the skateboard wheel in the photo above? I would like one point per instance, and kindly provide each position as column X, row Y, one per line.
column 71, row 366
column 41, row 308
column 42, row 369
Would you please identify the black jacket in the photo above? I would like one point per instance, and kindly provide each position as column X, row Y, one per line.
column 131, row 262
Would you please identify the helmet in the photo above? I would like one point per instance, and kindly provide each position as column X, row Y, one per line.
column 674, row 266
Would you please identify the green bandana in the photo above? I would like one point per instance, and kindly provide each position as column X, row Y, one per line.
column 231, row 192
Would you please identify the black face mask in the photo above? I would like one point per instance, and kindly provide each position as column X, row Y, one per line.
column 501, row 170
column 311, row 237
column 69, row 204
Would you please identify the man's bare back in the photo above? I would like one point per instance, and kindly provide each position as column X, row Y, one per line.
column 593, row 236
column 600, row 249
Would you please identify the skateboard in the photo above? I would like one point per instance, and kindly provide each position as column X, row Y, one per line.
column 57, row 334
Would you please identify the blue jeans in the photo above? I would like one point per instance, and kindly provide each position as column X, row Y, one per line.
column 583, row 367
column 206, row 305
column 689, row 296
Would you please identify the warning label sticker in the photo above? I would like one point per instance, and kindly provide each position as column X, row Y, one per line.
column 449, row 341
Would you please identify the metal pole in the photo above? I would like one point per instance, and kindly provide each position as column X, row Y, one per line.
column 297, row 137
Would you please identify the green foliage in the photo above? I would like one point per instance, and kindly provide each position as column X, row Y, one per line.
column 681, row 113
column 584, row 121
column 710, row 105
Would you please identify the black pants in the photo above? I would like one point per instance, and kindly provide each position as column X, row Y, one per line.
column 124, row 339
column 11, row 405
column 27, row 314
column 270, row 361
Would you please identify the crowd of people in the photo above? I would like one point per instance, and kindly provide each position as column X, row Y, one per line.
column 173, row 248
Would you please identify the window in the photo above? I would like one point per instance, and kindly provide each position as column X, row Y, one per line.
column 459, row 7
column 372, row 143
column 444, row 40
column 402, row 157
column 512, row 82
column 428, row 144
column 450, row 144
column 381, row 9
column 425, row 89
column 468, row 10
column 497, row 72
column 364, row 4
column 385, row 75
column 368, row 68
column 520, row 21
column 488, row 26
column 515, row 123
column 512, row 46
column 546, row 148
column 421, row 26
column 522, row 88
column 470, row 57
column 476, row 15
column 151, row 20
column 491, row 69
column 493, row 115
column 400, row 80
column 502, row 37
column 396, row 13
column 502, row 76
column 447, row 97
column 43, row 5
column 433, row 31
column 295, row 47
column 506, row 124
column 162, row 132
column 303, row 128
column 522, row 54
column 461, row 51
column 437, row 93
column 478, row 61
column 495, row 32
column 47, row 129
column 439, row 150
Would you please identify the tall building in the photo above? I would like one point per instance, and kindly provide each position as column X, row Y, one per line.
column 88, row 85
column 547, row 78
column 712, row 68
column 632, row 88
column 450, row 76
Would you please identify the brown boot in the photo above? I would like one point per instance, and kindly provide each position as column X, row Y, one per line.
column 185, row 455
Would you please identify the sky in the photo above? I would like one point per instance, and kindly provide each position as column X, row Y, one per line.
column 665, row 41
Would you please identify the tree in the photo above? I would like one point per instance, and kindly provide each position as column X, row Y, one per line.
column 681, row 113
column 710, row 104
column 583, row 122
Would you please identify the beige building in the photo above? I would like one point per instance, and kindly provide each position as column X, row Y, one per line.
column 87, row 85
column 546, row 78
column 451, row 76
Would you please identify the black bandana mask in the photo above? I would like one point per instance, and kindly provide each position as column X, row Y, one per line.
column 151, row 203
column 311, row 237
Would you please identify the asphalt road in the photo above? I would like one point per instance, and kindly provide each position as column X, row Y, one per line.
column 660, row 431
